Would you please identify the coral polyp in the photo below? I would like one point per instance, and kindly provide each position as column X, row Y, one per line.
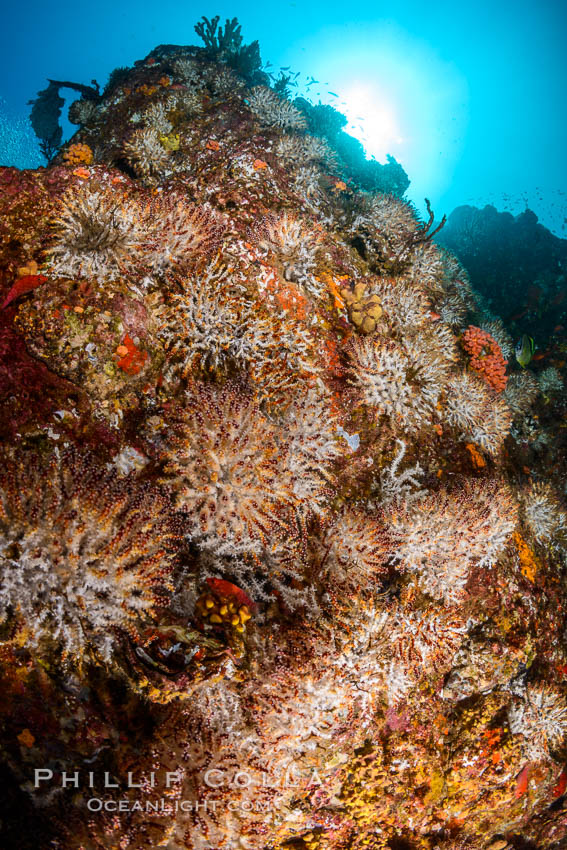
column 147, row 155
column 179, row 234
column 273, row 111
column 486, row 357
column 235, row 473
column 441, row 537
column 401, row 381
column 97, row 234
column 84, row 555
column 282, row 522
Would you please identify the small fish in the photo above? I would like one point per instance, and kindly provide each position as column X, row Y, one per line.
column 524, row 351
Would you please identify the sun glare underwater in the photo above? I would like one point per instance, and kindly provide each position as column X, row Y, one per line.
column 283, row 427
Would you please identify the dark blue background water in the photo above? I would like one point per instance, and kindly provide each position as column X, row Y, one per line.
column 469, row 97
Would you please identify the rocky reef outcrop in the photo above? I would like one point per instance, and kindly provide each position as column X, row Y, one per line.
column 282, row 537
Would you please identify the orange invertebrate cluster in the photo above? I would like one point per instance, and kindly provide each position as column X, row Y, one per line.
column 132, row 359
column 288, row 297
column 476, row 458
column 486, row 357
column 78, row 154
column 225, row 604
column 146, row 90
column 529, row 563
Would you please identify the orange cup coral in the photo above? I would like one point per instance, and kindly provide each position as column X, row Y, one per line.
column 78, row 154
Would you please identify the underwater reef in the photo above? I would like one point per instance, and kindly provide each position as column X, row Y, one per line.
column 283, row 535
column 517, row 265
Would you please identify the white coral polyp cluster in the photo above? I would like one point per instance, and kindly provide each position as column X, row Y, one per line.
column 78, row 550
column 100, row 234
column 295, row 247
column 212, row 326
column 147, row 155
column 441, row 537
column 389, row 226
column 239, row 476
column 424, row 641
column 543, row 513
column 274, row 111
column 313, row 446
column 521, row 391
column 353, row 551
column 155, row 116
column 497, row 331
column 541, row 717
column 189, row 71
column 209, row 323
column 401, row 380
column 480, row 415
column 179, row 234
column 97, row 235
column 300, row 150
column 550, row 381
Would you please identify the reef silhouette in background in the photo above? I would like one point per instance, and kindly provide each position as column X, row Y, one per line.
column 516, row 263
column 275, row 494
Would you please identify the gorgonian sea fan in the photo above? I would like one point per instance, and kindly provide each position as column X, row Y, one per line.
column 83, row 553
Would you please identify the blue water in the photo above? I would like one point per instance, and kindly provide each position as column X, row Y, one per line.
column 468, row 97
